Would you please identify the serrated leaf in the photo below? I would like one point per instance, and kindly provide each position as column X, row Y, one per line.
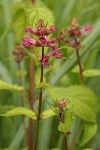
column 43, row 85
column 48, row 113
column 83, row 99
column 89, row 132
column 38, row 12
column 91, row 72
column 62, row 127
column 7, row 86
column 27, row 14
column 68, row 119
column 20, row 111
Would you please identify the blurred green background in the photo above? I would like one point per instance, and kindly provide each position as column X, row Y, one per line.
column 86, row 11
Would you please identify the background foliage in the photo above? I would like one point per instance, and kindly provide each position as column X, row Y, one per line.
column 14, row 16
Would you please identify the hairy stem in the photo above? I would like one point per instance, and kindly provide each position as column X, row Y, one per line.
column 31, row 98
column 40, row 102
column 79, row 62
column 22, row 103
column 65, row 142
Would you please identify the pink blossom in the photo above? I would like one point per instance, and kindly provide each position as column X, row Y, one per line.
column 55, row 53
column 76, row 45
column 29, row 41
column 52, row 28
column 28, row 29
column 74, row 33
column 52, row 45
column 51, row 42
column 45, row 60
column 43, row 39
column 87, row 28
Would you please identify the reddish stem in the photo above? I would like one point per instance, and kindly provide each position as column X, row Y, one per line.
column 31, row 97
column 33, row 1
column 65, row 141
column 79, row 62
column 40, row 102
column 41, row 80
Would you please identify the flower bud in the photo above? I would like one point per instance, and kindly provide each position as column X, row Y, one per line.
column 63, row 103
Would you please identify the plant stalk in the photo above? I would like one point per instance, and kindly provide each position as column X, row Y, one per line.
column 31, row 98
column 40, row 102
column 65, row 141
column 79, row 63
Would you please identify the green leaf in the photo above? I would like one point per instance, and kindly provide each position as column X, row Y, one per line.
column 89, row 131
column 68, row 119
column 48, row 113
column 25, row 13
column 39, row 11
column 33, row 56
column 5, row 108
column 83, row 99
column 20, row 111
column 55, row 110
column 62, row 127
column 91, row 72
column 7, row 86
column 19, row 20
column 43, row 85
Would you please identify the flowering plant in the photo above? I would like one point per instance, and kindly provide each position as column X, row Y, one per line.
column 44, row 91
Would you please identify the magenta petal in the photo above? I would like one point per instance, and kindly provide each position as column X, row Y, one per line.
column 46, row 61
column 53, row 28
column 37, row 44
column 87, row 28
column 55, row 53
column 56, row 50
column 59, row 55
column 43, row 39
column 28, row 41
column 28, row 29
column 53, row 40
column 51, row 45
column 32, row 41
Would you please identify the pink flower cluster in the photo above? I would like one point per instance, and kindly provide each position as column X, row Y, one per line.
column 75, row 33
column 42, row 33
